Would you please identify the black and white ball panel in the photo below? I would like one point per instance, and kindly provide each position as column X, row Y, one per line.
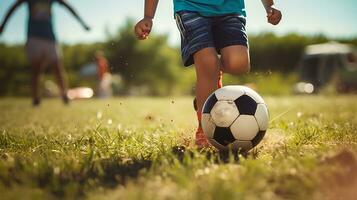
column 235, row 117
column 210, row 102
column 250, row 92
column 245, row 127
column 223, row 136
column 246, row 105
column 229, row 93
column 258, row 138
column 262, row 116
column 224, row 113
column 217, row 145
column 207, row 125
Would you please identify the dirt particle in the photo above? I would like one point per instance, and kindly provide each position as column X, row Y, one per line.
column 149, row 118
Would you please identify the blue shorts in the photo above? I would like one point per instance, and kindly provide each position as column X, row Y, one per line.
column 199, row 32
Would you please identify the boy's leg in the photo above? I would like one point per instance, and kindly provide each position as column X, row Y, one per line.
column 197, row 47
column 207, row 71
column 235, row 59
column 220, row 79
column 231, row 39
column 219, row 85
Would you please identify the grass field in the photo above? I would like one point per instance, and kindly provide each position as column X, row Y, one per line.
column 122, row 149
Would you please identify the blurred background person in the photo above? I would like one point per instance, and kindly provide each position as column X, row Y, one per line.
column 42, row 48
column 104, row 77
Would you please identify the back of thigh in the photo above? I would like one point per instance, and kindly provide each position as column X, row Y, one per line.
column 53, row 52
column 34, row 51
column 235, row 59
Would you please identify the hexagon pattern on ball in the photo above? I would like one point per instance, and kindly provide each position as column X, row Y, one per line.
column 210, row 102
column 245, row 127
column 235, row 117
column 223, row 136
column 246, row 105
column 229, row 92
column 224, row 113
column 262, row 117
column 258, row 138
column 208, row 125
column 250, row 92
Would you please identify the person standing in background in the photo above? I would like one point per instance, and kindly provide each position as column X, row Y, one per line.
column 41, row 47
column 104, row 89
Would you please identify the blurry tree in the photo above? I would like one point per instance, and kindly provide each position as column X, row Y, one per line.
column 149, row 66
column 273, row 53
column 14, row 70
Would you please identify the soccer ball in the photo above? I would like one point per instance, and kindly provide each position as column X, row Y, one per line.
column 235, row 117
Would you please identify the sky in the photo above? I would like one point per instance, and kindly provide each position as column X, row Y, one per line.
column 330, row 17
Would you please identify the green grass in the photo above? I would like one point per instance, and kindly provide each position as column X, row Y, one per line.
column 122, row 149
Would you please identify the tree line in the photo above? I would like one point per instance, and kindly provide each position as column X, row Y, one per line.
column 151, row 67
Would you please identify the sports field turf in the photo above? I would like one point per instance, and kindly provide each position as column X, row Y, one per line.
column 122, row 149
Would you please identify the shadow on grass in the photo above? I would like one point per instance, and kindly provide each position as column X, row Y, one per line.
column 75, row 176
column 70, row 181
column 211, row 154
column 118, row 173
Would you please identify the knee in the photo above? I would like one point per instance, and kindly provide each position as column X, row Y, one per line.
column 207, row 66
column 236, row 65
